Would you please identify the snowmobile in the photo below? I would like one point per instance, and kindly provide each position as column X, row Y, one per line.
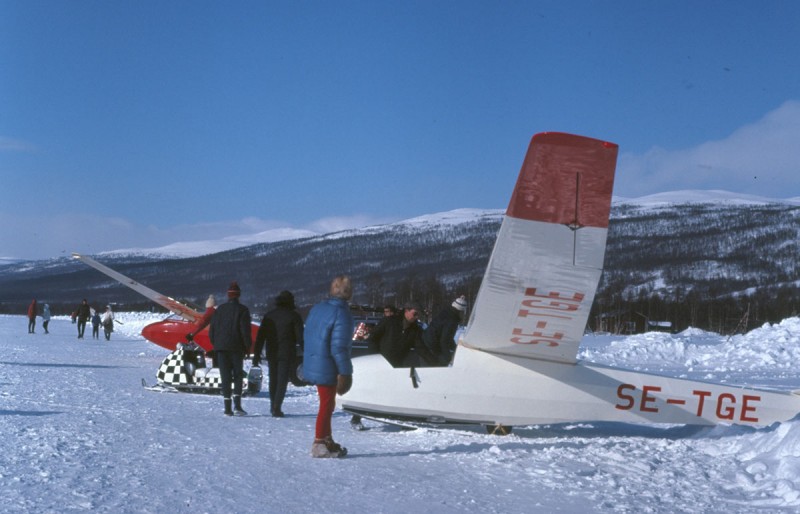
column 186, row 370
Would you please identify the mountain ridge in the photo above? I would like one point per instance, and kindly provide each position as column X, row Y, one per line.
column 183, row 249
column 697, row 263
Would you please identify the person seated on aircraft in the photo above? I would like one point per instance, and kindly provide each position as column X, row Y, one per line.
column 439, row 336
column 206, row 319
column 396, row 336
column 388, row 311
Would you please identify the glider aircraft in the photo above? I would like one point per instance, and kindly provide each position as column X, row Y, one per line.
column 516, row 362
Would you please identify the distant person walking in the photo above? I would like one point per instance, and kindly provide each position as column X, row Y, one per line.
column 46, row 318
column 326, row 360
column 108, row 322
column 82, row 313
column 281, row 331
column 95, row 324
column 33, row 311
column 230, row 335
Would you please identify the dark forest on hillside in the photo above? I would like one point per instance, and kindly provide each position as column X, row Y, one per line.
column 723, row 268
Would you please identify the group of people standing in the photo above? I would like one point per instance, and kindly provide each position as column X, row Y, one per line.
column 85, row 312
column 33, row 311
column 326, row 339
column 81, row 315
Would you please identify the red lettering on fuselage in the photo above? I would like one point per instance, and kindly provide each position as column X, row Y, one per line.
column 724, row 406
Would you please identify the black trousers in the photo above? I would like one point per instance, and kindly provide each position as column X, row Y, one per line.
column 278, row 379
column 231, row 371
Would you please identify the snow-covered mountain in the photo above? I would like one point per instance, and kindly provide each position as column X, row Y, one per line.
column 704, row 262
column 693, row 196
column 185, row 249
column 455, row 217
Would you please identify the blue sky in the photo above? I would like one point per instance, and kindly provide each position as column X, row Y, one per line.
column 141, row 123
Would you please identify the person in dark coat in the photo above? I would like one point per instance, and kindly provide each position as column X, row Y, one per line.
column 355, row 421
column 230, row 336
column 326, row 360
column 33, row 310
column 82, row 313
column 395, row 336
column 439, row 336
column 281, row 330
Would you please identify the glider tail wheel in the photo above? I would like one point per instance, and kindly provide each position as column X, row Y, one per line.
column 498, row 429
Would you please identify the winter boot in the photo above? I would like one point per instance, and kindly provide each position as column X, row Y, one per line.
column 237, row 406
column 228, row 411
column 319, row 450
column 336, row 448
column 327, row 449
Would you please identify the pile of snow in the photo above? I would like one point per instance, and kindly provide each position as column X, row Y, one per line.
column 765, row 356
column 81, row 434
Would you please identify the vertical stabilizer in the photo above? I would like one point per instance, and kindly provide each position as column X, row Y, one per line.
column 542, row 276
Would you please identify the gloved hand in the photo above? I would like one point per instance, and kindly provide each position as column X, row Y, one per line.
column 343, row 384
column 190, row 337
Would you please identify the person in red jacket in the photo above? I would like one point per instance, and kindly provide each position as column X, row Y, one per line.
column 33, row 309
column 206, row 319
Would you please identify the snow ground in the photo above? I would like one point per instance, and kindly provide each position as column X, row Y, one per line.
column 79, row 433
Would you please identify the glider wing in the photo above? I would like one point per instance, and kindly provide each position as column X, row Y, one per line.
column 173, row 305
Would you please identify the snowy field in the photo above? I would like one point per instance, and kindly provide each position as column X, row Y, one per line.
column 79, row 433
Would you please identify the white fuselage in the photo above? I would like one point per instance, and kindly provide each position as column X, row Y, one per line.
column 483, row 388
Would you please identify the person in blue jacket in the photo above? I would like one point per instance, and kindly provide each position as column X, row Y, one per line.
column 328, row 339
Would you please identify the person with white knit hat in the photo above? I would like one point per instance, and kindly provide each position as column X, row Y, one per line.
column 439, row 336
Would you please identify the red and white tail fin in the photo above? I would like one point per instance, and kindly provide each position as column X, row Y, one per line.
column 535, row 297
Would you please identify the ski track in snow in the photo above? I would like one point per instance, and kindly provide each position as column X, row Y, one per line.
column 81, row 434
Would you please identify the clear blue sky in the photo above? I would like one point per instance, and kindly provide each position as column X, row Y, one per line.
column 140, row 123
